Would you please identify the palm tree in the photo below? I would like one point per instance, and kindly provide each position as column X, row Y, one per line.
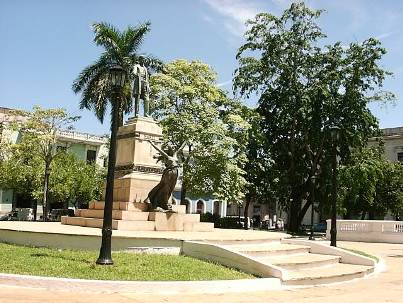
column 94, row 83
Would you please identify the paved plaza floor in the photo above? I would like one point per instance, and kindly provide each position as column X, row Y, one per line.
column 386, row 286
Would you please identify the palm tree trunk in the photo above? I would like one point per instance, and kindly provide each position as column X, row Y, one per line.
column 105, row 256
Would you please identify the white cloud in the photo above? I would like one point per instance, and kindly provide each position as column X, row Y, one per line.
column 208, row 19
column 387, row 34
column 235, row 13
column 225, row 83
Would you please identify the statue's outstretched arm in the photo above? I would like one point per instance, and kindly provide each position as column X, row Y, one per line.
column 182, row 146
column 158, row 149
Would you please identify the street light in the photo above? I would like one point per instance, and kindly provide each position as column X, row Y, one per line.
column 313, row 178
column 117, row 76
column 334, row 132
column 117, row 80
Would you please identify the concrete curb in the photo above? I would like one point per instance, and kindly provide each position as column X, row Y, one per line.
column 142, row 287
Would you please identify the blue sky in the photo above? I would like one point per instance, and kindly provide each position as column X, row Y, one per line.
column 46, row 43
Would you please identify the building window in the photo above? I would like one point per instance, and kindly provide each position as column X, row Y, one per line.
column 200, row 207
column 91, row 156
column 60, row 149
column 256, row 209
column 187, row 203
column 400, row 157
column 216, row 207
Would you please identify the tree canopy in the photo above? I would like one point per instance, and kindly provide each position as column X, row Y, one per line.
column 71, row 181
column 370, row 185
column 305, row 90
column 191, row 108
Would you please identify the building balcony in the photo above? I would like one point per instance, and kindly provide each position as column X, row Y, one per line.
column 78, row 137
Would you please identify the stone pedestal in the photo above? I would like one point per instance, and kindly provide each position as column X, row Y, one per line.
column 137, row 171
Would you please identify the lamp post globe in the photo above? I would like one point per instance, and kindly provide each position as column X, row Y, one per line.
column 117, row 79
column 117, row 76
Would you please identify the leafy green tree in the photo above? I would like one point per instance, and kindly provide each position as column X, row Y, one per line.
column 74, row 181
column 370, row 184
column 71, row 181
column 192, row 109
column 39, row 133
column 304, row 92
column 22, row 172
column 259, row 173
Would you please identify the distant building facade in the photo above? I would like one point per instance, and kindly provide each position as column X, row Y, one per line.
column 393, row 143
column 91, row 148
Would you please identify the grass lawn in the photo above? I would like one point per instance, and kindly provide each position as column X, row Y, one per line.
column 362, row 253
column 128, row 266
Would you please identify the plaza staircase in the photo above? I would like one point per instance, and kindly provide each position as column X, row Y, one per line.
column 293, row 264
column 134, row 216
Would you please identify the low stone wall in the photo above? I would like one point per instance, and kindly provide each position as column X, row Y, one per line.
column 368, row 231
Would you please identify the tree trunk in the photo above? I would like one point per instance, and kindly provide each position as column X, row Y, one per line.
column 183, row 192
column 295, row 209
column 105, row 255
column 303, row 211
column 45, row 206
column 248, row 200
column 184, row 187
column 35, row 208
column 120, row 119
column 363, row 214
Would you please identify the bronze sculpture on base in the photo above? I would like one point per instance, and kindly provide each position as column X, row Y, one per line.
column 160, row 194
column 141, row 89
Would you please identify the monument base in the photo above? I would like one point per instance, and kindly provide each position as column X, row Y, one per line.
column 137, row 172
column 136, row 216
column 134, row 187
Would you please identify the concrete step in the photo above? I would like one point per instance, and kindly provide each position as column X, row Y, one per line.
column 132, row 206
column 336, row 273
column 116, row 214
column 269, row 249
column 301, row 261
column 240, row 242
column 116, row 224
column 198, row 226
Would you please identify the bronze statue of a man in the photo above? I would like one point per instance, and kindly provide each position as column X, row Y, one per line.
column 141, row 89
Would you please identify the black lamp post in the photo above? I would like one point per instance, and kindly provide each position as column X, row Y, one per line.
column 334, row 131
column 313, row 179
column 239, row 215
column 117, row 80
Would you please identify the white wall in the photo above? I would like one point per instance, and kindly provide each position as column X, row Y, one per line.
column 368, row 231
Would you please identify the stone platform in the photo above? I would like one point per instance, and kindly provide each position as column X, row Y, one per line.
column 57, row 235
column 136, row 217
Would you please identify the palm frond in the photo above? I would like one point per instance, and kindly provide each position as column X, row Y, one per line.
column 133, row 37
column 108, row 36
column 100, row 66
column 120, row 48
column 96, row 94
